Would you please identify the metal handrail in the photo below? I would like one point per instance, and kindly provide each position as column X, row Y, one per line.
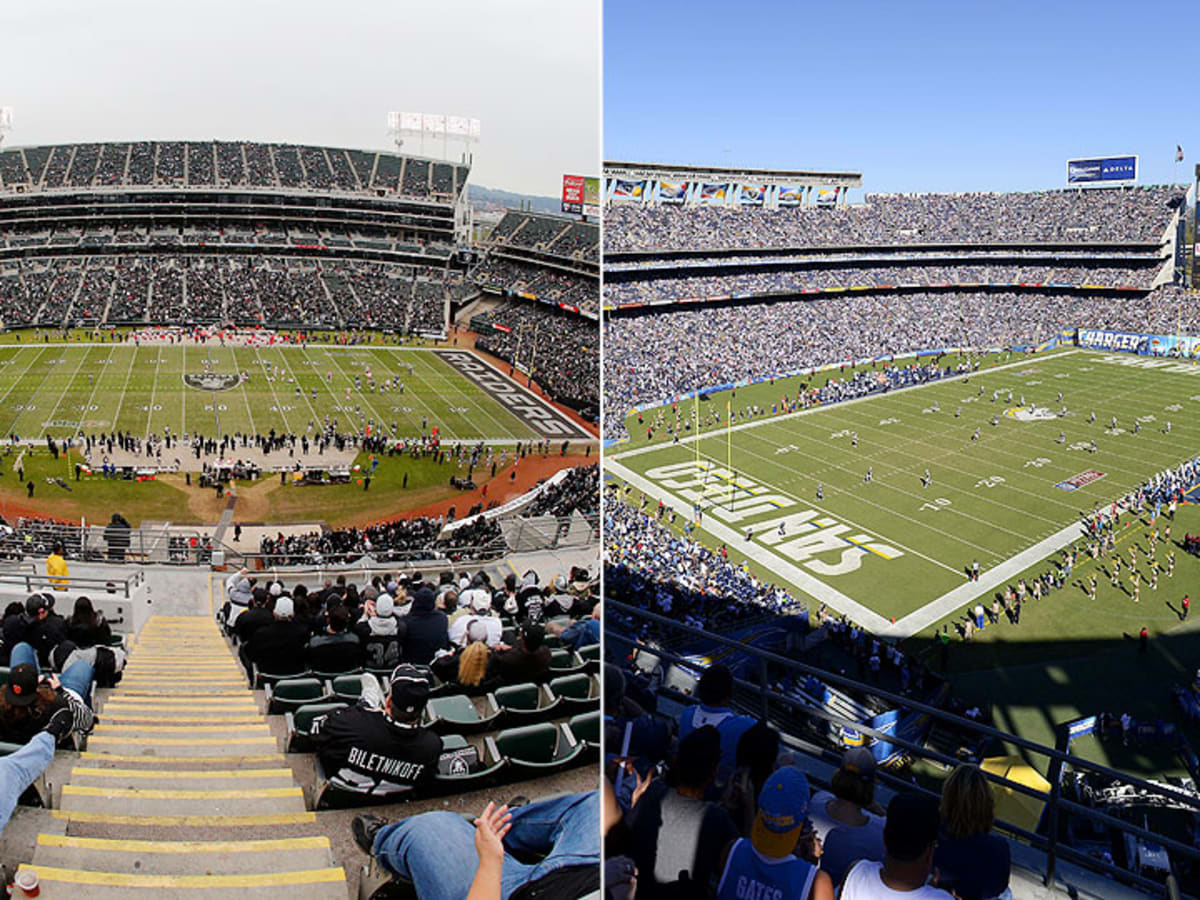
column 33, row 582
column 1053, row 800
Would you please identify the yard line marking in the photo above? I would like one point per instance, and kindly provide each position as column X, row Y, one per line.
column 95, row 387
column 20, row 379
column 989, row 579
column 245, row 394
column 364, row 400
column 183, row 395
column 417, row 397
column 316, row 419
column 125, row 387
column 153, row 391
column 38, row 390
column 271, row 384
column 804, row 412
column 399, row 400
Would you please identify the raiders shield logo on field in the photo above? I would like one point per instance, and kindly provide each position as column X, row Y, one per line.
column 212, row 381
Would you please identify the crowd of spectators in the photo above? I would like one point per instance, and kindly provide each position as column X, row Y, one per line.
column 554, row 235
column 750, row 281
column 1069, row 216
column 545, row 283
column 560, row 350
column 473, row 635
column 651, row 358
column 406, row 539
column 201, row 163
column 578, row 492
column 709, row 803
column 272, row 290
column 123, row 235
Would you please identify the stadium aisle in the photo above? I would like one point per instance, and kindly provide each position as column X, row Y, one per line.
column 180, row 785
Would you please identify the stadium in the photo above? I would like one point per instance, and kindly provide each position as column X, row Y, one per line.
column 284, row 435
column 914, row 473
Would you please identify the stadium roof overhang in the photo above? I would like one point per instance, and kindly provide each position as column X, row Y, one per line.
column 634, row 171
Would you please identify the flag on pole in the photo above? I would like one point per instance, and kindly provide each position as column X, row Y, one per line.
column 1178, row 153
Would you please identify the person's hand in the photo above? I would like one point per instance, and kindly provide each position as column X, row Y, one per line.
column 369, row 608
column 53, row 681
column 642, row 784
column 490, row 829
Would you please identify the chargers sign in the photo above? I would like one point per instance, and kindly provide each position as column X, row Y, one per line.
column 1102, row 170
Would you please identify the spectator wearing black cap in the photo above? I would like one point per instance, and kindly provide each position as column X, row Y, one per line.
column 426, row 629
column 675, row 835
column 380, row 750
column 29, row 701
column 844, row 818
column 971, row 861
column 909, row 838
column 44, row 629
column 715, row 691
column 529, row 661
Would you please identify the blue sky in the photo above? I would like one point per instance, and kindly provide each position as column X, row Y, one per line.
column 919, row 95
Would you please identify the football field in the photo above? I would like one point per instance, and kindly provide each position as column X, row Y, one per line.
column 64, row 389
column 788, row 493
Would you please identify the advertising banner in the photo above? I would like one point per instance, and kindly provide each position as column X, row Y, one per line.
column 789, row 196
column 714, row 192
column 1143, row 344
column 752, row 194
column 1102, row 169
column 591, row 197
column 827, row 196
column 572, row 194
column 632, row 190
column 672, row 191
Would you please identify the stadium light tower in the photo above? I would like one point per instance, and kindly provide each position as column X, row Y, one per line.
column 6, row 117
column 457, row 129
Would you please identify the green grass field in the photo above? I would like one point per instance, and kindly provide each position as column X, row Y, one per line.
column 60, row 389
column 65, row 389
column 894, row 555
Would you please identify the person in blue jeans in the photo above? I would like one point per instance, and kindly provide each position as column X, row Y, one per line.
column 78, row 677
column 436, row 850
column 28, row 702
column 20, row 769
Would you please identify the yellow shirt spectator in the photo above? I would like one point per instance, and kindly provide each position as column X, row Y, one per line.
column 56, row 569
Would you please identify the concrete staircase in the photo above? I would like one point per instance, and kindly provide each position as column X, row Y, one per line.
column 182, row 791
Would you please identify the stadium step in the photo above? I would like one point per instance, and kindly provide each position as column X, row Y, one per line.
column 183, row 790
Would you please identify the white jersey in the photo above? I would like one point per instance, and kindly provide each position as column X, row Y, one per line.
column 864, row 882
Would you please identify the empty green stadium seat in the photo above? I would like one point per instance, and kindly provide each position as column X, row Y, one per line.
column 533, row 750
column 457, row 714
column 261, row 679
column 346, row 687
column 290, row 694
column 591, row 656
column 575, row 692
column 565, row 662
column 522, row 702
column 586, row 727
